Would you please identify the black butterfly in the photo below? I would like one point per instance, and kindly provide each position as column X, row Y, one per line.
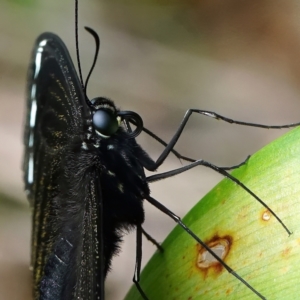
column 84, row 175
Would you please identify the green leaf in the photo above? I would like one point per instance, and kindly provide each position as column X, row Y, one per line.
column 259, row 248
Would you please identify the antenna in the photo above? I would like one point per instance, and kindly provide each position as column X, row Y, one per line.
column 97, row 42
column 77, row 46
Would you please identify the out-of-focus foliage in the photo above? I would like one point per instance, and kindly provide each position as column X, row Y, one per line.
column 21, row 2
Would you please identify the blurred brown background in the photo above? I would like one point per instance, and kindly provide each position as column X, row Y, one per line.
column 158, row 58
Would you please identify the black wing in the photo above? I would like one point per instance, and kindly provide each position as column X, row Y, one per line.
column 61, row 181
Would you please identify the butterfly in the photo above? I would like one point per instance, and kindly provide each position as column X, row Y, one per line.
column 85, row 180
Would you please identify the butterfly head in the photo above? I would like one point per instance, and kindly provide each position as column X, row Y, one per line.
column 107, row 118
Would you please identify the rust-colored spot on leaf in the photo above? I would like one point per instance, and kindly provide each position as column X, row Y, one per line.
column 220, row 246
column 285, row 253
column 244, row 212
column 266, row 215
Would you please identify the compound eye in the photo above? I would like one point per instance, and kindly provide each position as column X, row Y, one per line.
column 105, row 123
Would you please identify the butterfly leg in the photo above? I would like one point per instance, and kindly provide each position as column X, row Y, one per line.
column 231, row 121
column 221, row 171
column 138, row 261
column 152, row 240
column 171, row 144
column 180, row 156
column 165, row 210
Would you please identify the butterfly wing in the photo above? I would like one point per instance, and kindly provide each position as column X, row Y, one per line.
column 55, row 105
column 61, row 182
